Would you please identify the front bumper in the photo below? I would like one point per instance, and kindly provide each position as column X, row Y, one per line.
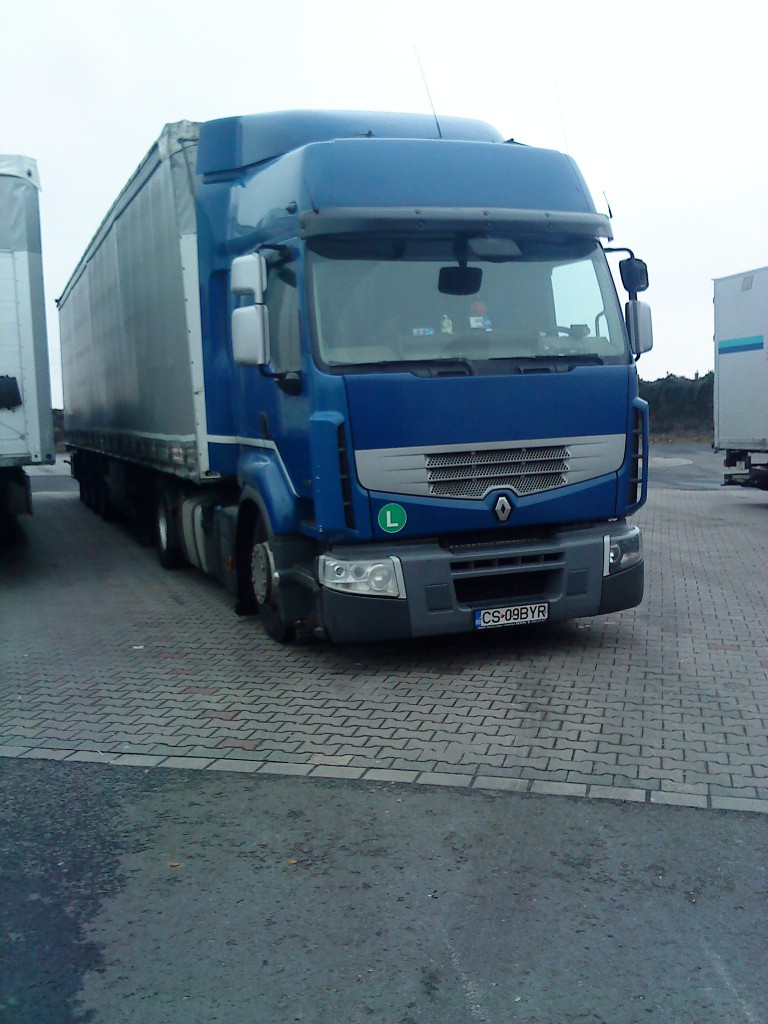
column 445, row 584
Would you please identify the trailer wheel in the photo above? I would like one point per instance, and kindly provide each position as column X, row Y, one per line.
column 108, row 510
column 99, row 496
column 89, row 488
column 103, row 502
column 167, row 542
column 262, row 587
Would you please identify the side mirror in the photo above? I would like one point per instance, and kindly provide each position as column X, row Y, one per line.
column 249, row 276
column 639, row 327
column 634, row 276
column 250, row 337
column 250, row 332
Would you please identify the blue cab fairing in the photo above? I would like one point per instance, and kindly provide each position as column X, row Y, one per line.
column 401, row 411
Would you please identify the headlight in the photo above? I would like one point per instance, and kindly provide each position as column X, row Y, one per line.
column 374, row 577
column 620, row 553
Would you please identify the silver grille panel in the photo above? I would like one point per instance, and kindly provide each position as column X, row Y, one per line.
column 472, row 474
column 465, row 473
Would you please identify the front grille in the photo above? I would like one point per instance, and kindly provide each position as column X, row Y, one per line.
column 472, row 474
column 505, row 576
column 475, row 544
column 507, row 560
column 504, row 587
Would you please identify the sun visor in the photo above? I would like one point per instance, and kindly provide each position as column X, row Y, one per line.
column 232, row 143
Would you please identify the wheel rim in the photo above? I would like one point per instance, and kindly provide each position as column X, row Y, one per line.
column 162, row 526
column 261, row 572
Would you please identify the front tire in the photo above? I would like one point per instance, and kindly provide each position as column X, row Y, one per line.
column 261, row 585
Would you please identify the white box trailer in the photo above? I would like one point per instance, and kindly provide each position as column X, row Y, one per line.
column 741, row 376
column 26, row 419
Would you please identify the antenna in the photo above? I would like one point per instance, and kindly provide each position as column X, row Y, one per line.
column 429, row 95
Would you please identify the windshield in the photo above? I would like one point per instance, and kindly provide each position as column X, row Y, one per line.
column 392, row 301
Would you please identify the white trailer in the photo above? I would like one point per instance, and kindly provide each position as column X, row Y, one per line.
column 26, row 419
column 741, row 376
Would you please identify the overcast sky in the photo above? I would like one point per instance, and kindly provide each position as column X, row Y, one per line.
column 662, row 104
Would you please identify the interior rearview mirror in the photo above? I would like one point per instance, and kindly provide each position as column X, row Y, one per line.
column 460, row 280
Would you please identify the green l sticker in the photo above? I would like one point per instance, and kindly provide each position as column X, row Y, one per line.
column 392, row 518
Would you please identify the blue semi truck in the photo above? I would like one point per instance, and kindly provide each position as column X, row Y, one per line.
column 370, row 370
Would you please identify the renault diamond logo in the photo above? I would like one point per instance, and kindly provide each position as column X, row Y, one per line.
column 502, row 508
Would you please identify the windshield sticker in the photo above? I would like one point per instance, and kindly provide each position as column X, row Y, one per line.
column 479, row 318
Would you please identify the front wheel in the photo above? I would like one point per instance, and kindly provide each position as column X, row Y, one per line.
column 262, row 587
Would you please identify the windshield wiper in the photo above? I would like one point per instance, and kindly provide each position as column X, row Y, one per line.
column 591, row 359
column 549, row 362
column 450, row 366
column 420, row 367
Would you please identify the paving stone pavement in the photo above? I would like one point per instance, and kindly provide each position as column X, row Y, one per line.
column 104, row 656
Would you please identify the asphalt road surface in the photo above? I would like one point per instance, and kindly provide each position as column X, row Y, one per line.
column 686, row 467
column 161, row 897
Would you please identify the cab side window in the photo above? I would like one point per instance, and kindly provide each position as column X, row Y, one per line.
column 283, row 311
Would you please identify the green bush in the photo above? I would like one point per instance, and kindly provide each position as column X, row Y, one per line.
column 680, row 406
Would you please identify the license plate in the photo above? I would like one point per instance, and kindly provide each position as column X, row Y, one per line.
column 515, row 615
